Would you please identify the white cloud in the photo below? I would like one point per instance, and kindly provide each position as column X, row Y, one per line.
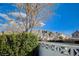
column 11, row 21
column 1, row 24
column 17, row 14
column 5, row 16
column 5, row 25
column 42, row 24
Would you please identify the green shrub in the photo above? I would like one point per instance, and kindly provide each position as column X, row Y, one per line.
column 20, row 44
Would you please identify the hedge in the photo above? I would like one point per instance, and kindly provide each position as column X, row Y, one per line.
column 20, row 44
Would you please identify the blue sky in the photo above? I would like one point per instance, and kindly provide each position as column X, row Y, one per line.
column 66, row 18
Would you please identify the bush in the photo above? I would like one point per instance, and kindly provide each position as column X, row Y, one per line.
column 17, row 44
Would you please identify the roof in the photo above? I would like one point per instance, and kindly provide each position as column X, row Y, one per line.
column 76, row 32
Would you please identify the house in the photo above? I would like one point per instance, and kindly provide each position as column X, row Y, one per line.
column 75, row 35
column 46, row 35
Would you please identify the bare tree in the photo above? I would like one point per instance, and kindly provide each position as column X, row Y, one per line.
column 35, row 14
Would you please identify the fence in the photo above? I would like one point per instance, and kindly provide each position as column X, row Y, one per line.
column 58, row 49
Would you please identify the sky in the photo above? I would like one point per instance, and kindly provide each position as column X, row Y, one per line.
column 65, row 18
